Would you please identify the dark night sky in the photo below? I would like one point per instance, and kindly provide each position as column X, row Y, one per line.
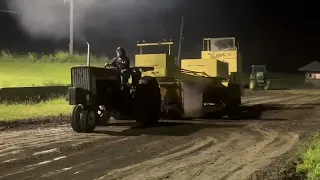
column 283, row 36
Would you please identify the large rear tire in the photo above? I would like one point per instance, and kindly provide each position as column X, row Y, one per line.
column 233, row 102
column 233, row 110
column 267, row 85
column 147, row 99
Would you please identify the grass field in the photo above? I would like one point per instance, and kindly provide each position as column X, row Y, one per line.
column 54, row 69
column 25, row 74
column 35, row 70
column 311, row 159
column 54, row 107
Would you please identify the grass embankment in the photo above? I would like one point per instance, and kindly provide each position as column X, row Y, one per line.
column 40, row 70
column 30, row 110
column 311, row 160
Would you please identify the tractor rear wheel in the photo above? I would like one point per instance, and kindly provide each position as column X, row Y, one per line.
column 233, row 110
column 147, row 99
column 267, row 86
column 233, row 101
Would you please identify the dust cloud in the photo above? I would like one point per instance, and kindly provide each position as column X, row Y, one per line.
column 192, row 96
column 50, row 18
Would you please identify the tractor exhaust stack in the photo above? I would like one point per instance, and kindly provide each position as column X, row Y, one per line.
column 88, row 54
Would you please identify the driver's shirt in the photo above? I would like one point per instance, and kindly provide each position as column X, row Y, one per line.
column 121, row 62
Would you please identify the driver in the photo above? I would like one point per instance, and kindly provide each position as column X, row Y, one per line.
column 122, row 62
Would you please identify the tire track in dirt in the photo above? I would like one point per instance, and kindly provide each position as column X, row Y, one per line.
column 134, row 153
column 19, row 142
column 304, row 102
column 297, row 92
column 240, row 163
column 272, row 99
column 212, row 162
column 260, row 156
column 180, row 144
column 32, row 163
column 95, row 159
column 31, row 140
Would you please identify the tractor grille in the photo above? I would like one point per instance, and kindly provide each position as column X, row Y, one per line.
column 81, row 78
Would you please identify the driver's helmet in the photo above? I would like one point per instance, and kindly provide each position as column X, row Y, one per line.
column 120, row 51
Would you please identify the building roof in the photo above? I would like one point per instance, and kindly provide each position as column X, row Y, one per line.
column 312, row 67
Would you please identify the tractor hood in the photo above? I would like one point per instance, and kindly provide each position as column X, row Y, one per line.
column 260, row 76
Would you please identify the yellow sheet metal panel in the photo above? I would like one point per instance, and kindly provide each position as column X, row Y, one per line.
column 222, row 69
column 171, row 66
column 163, row 64
column 200, row 67
column 239, row 59
column 233, row 66
column 158, row 61
column 205, row 67
column 229, row 56
column 155, row 73
column 154, row 44
column 225, row 83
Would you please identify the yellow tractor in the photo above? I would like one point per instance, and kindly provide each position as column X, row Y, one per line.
column 196, row 88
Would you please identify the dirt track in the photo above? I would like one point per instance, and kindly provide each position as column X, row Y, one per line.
column 271, row 126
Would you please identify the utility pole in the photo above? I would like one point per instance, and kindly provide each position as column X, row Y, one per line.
column 180, row 41
column 71, row 26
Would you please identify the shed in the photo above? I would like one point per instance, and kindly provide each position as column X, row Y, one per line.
column 312, row 73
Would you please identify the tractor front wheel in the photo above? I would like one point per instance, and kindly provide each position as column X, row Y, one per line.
column 82, row 119
column 252, row 85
